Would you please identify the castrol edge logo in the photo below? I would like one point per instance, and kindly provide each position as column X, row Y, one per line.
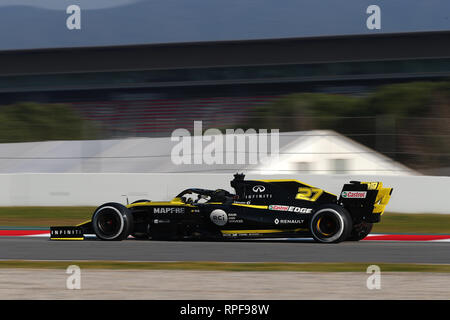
column 289, row 208
column 354, row 194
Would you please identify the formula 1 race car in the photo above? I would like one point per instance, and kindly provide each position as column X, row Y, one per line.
column 259, row 208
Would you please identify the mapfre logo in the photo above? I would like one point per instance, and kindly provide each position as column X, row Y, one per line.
column 354, row 194
column 168, row 210
column 259, row 189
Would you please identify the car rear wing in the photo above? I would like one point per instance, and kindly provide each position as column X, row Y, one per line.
column 382, row 198
column 365, row 197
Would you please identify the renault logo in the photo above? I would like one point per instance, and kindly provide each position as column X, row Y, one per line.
column 259, row 189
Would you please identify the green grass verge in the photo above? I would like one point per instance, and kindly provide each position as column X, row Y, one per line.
column 413, row 223
column 226, row 266
column 48, row 216
column 44, row 216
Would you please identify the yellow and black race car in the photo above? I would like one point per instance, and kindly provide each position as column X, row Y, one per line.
column 259, row 208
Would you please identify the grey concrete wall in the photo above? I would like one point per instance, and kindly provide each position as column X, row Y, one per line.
column 412, row 194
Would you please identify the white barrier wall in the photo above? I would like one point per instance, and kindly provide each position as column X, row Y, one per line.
column 412, row 194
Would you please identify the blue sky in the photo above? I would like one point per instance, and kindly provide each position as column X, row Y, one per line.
column 61, row 4
column 26, row 24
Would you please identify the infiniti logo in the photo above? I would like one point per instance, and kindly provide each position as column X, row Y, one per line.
column 258, row 189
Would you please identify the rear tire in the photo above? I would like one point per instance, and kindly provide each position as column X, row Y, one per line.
column 360, row 231
column 112, row 221
column 331, row 224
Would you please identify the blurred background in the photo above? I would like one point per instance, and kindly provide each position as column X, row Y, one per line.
column 397, row 110
column 92, row 90
column 105, row 97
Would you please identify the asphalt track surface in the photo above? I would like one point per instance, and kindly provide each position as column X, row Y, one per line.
column 28, row 248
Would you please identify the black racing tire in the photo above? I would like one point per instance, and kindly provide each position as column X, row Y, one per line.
column 331, row 224
column 360, row 231
column 112, row 221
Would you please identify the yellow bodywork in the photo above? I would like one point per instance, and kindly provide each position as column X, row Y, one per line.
column 173, row 202
column 383, row 196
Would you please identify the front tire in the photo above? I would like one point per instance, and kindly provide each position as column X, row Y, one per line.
column 112, row 221
column 331, row 224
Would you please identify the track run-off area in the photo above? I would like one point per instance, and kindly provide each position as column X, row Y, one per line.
column 401, row 248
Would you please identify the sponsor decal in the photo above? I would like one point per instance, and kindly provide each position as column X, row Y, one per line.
column 235, row 235
column 231, row 235
column 219, row 217
column 241, row 202
column 354, row 194
column 168, row 210
column 258, row 196
column 288, row 221
column 232, row 218
column 290, row 209
column 67, row 232
column 157, row 221
column 278, row 207
column 259, row 189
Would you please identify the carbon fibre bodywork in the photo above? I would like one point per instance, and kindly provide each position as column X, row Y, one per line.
column 258, row 208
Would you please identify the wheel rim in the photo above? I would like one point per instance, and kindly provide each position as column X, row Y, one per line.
column 327, row 225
